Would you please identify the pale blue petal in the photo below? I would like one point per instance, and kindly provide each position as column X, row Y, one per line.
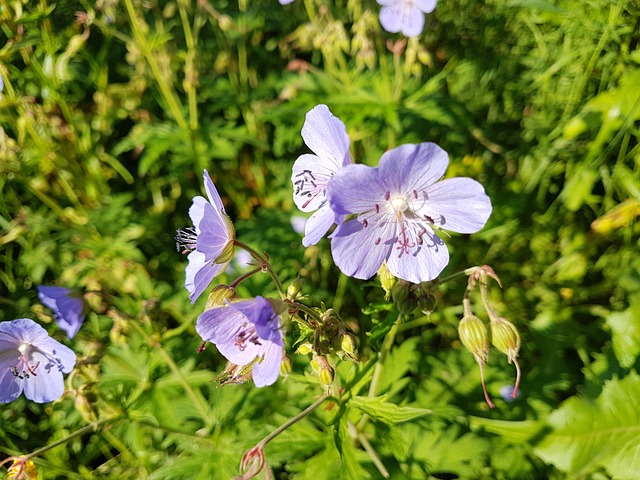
column 259, row 311
column 60, row 357
column 326, row 136
column 427, row 6
column 410, row 168
column 359, row 251
column 214, row 234
column 423, row 263
column 356, row 189
column 457, row 204
column 266, row 371
column 10, row 386
column 46, row 385
column 391, row 18
column 310, row 196
column 200, row 274
column 318, row 225
column 196, row 211
column 212, row 193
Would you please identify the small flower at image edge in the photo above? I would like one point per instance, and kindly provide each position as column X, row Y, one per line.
column 67, row 307
column 400, row 206
column 247, row 332
column 285, row 2
column 406, row 16
column 31, row 362
column 209, row 242
column 327, row 137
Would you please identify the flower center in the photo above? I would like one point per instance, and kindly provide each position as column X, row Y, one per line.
column 247, row 334
column 22, row 369
column 399, row 204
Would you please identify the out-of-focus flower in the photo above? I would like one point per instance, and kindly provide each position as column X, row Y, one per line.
column 67, row 307
column 406, row 16
column 1, row 86
column 210, row 241
column 31, row 362
column 327, row 137
column 400, row 206
column 246, row 333
column 285, row 2
column 22, row 468
column 506, row 392
column 298, row 223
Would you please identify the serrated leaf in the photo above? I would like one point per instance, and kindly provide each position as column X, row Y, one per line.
column 390, row 413
column 588, row 435
column 516, row 432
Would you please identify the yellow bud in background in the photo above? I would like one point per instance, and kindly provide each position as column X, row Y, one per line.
column 286, row 366
column 323, row 369
column 349, row 346
column 304, row 348
column 22, row 469
column 219, row 295
column 387, row 280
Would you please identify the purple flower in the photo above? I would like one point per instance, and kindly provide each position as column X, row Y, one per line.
column 210, row 241
column 400, row 206
column 31, row 361
column 246, row 333
column 285, row 2
column 298, row 223
column 406, row 16
column 67, row 306
column 327, row 137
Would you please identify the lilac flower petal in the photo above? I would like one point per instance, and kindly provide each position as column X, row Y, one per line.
column 326, row 136
column 298, row 223
column 10, row 389
column 318, row 225
column 285, row 2
column 402, row 17
column 355, row 189
column 356, row 250
column 260, row 312
column 212, row 193
column 47, row 385
column 411, row 167
column 70, row 316
column 427, row 6
column 196, row 211
column 422, row 264
column 221, row 326
column 214, row 233
column 266, row 371
column 49, row 294
column 311, row 198
column 200, row 274
column 458, row 204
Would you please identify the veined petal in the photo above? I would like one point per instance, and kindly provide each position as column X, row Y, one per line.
column 260, row 312
column 421, row 264
column 221, row 326
column 212, row 193
column 359, row 251
column 10, row 389
column 267, row 370
column 47, row 384
column 214, row 234
column 318, row 225
column 310, row 177
column 70, row 316
column 196, row 211
column 410, row 167
column 457, row 204
column 200, row 274
column 60, row 357
column 326, row 136
column 355, row 189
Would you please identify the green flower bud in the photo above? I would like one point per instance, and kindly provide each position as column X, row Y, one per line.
column 286, row 366
column 219, row 295
column 323, row 369
column 304, row 348
column 387, row 280
column 473, row 335
column 505, row 337
column 349, row 347
column 294, row 289
column 403, row 298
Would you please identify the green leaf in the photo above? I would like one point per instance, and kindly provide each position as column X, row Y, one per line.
column 625, row 329
column 515, row 432
column 390, row 413
column 588, row 435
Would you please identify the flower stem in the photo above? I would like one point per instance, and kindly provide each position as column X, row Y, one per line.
column 263, row 262
column 452, row 276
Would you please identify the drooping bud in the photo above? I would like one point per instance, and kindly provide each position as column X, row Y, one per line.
column 387, row 280
column 403, row 298
column 286, row 366
column 219, row 296
column 505, row 337
column 473, row 335
column 294, row 289
column 304, row 348
column 324, row 370
column 349, row 347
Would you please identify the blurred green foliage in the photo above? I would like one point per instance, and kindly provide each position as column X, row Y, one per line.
column 112, row 109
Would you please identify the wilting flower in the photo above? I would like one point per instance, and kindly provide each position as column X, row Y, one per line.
column 32, row 362
column 246, row 333
column 327, row 137
column 406, row 16
column 67, row 307
column 210, row 241
column 400, row 207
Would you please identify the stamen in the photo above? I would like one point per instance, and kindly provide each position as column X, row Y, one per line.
column 186, row 240
column 365, row 223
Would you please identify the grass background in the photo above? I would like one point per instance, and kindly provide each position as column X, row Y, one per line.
column 112, row 109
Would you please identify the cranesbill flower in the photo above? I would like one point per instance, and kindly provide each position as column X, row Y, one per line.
column 246, row 333
column 327, row 137
column 67, row 307
column 31, row 362
column 285, row 2
column 406, row 16
column 400, row 207
column 210, row 241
